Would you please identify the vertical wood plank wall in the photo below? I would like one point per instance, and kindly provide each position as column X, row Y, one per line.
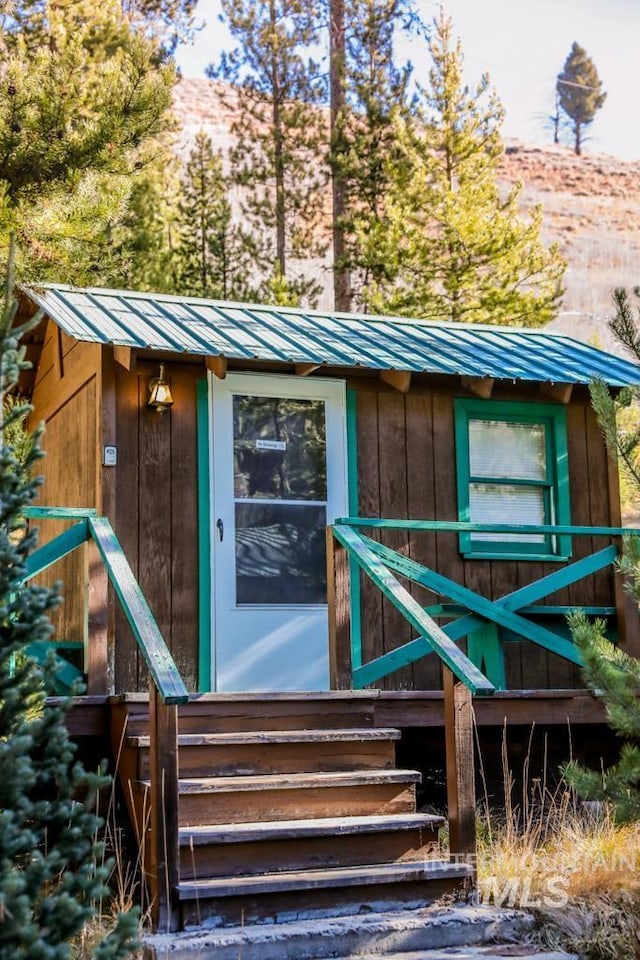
column 406, row 468
column 156, row 515
column 66, row 396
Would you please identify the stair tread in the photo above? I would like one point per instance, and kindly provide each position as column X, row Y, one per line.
column 484, row 952
column 439, row 930
column 321, row 879
column 276, row 736
column 317, row 827
column 293, row 781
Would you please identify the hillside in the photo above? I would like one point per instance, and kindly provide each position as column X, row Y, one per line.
column 591, row 206
column 592, row 209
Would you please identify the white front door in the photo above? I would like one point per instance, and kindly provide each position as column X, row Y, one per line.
column 279, row 476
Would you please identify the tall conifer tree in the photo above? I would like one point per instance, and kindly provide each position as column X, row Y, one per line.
column 364, row 155
column 613, row 674
column 50, row 863
column 76, row 120
column 57, row 131
column 140, row 246
column 460, row 249
column 212, row 254
column 165, row 22
column 580, row 92
column 278, row 131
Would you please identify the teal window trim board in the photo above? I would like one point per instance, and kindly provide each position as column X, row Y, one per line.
column 354, row 570
column 204, row 539
column 556, row 484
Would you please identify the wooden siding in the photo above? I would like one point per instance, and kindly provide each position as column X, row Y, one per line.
column 66, row 398
column 406, row 469
column 156, row 516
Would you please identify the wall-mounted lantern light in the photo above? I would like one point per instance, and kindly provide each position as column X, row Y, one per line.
column 160, row 393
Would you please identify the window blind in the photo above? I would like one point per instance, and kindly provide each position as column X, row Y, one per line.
column 500, row 449
column 504, row 503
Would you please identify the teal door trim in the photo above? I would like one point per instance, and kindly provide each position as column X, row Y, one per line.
column 204, row 539
column 354, row 570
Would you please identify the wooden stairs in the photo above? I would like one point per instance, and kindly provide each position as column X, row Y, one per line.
column 289, row 805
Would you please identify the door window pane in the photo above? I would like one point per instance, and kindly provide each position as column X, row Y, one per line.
column 279, row 449
column 280, row 553
column 499, row 448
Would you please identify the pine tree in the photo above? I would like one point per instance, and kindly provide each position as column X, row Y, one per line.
column 140, row 245
column 337, row 115
column 279, row 133
column 580, row 92
column 619, row 415
column 50, row 865
column 459, row 248
column 166, row 22
column 213, row 255
column 364, row 154
column 615, row 677
column 75, row 124
column 609, row 671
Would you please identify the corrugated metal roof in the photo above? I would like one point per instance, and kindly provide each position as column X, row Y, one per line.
column 287, row 335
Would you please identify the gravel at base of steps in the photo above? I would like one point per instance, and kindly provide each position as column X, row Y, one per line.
column 494, row 952
column 371, row 936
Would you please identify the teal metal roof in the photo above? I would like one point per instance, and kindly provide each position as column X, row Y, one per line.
column 288, row 335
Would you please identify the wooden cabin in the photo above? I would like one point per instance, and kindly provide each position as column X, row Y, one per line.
column 469, row 501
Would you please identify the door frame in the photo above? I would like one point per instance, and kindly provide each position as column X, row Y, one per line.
column 206, row 483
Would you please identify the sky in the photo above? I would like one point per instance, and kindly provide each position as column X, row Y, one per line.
column 522, row 44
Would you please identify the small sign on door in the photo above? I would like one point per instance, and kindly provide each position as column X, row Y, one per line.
column 271, row 444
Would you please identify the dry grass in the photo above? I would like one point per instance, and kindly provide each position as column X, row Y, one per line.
column 571, row 863
column 127, row 882
column 125, row 891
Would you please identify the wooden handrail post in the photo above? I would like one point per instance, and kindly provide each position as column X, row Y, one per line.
column 338, row 600
column 97, row 654
column 461, row 787
column 162, row 860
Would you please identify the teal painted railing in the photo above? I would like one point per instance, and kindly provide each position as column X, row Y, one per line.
column 365, row 553
column 166, row 691
column 479, row 618
column 89, row 527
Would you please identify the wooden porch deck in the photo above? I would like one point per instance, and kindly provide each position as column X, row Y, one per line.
column 403, row 709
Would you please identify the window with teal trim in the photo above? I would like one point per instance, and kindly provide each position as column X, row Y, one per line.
column 512, row 469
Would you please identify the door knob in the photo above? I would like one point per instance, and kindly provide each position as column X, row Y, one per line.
column 220, row 526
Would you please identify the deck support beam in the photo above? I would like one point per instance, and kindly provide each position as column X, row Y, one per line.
column 461, row 787
column 163, row 859
column 97, row 642
column 338, row 600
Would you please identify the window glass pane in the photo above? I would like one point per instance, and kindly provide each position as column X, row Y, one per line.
column 504, row 503
column 498, row 448
column 280, row 553
column 279, row 449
